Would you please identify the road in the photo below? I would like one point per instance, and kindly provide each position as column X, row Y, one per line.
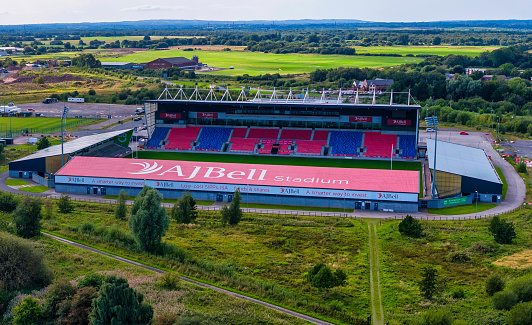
column 191, row 281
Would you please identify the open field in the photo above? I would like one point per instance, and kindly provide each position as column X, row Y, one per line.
column 255, row 63
column 463, row 209
column 34, row 189
column 425, row 50
column 16, row 182
column 38, row 124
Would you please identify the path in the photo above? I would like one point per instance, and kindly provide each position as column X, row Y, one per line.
column 191, row 281
column 376, row 298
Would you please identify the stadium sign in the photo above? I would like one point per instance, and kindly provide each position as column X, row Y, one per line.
column 455, row 201
column 171, row 116
column 207, row 115
column 361, row 119
column 399, row 122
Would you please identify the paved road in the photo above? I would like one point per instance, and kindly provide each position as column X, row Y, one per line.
column 191, row 281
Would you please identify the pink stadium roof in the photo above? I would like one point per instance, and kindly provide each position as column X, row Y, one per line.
column 378, row 180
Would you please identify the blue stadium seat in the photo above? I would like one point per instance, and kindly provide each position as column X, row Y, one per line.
column 345, row 143
column 212, row 138
column 408, row 144
column 157, row 136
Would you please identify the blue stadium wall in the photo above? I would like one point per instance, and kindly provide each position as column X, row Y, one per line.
column 395, row 206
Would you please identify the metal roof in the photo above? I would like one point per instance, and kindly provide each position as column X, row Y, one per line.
column 115, row 63
column 461, row 160
column 73, row 146
column 177, row 60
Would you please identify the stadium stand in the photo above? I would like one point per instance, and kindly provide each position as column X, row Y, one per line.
column 255, row 133
column 320, row 135
column 270, row 134
column 239, row 132
column 158, row 135
column 408, row 144
column 243, row 145
column 283, row 149
column 212, row 138
column 345, row 143
column 303, row 134
column 309, row 148
column 288, row 134
column 181, row 138
column 379, row 145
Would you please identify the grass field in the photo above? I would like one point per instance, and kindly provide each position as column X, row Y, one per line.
column 425, row 50
column 504, row 183
column 38, row 124
column 463, row 209
column 132, row 198
column 34, row 189
column 16, row 182
column 255, row 63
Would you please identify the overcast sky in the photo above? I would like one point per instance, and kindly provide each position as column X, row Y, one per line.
column 59, row 11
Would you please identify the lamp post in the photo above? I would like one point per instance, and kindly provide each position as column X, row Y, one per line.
column 498, row 123
column 344, row 202
column 476, row 203
column 433, row 123
column 63, row 116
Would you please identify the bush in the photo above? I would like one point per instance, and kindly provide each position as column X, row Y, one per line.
column 75, row 311
column 121, row 208
column 169, row 281
column 504, row 300
column 28, row 312
column 482, row 247
column 458, row 293
column 429, row 285
column 521, row 314
column 91, row 92
column 8, row 202
column 521, row 168
column 87, row 228
column 64, row 204
column 174, row 252
column 22, row 264
column 184, row 210
column 436, row 317
column 43, row 143
column 503, row 232
column 522, row 287
column 91, row 280
column 459, row 257
column 57, row 292
column 166, row 319
column 27, row 217
column 410, row 227
column 494, row 284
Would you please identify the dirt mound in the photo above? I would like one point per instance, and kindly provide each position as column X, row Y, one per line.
column 47, row 79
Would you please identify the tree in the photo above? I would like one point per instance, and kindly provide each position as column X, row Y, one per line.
column 117, row 303
column 91, row 92
column 148, row 221
column 503, row 232
column 43, row 143
column 27, row 217
column 410, row 227
column 57, row 292
column 436, row 40
column 39, row 80
column 235, row 213
column 521, row 168
column 77, row 309
column 8, row 202
column 121, row 208
column 224, row 214
column 494, row 284
column 22, row 264
column 504, row 300
column 403, row 39
column 184, row 210
column 28, row 313
column 428, row 285
column 322, row 277
column 521, row 314
column 48, row 209
column 86, row 61
column 64, row 204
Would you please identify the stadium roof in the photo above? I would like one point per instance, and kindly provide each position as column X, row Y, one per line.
column 461, row 160
column 74, row 145
column 193, row 172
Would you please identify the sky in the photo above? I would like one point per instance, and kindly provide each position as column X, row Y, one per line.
column 63, row 11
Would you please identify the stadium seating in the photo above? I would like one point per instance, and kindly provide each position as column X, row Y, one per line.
column 309, row 148
column 158, row 135
column 408, row 144
column 255, row 133
column 243, row 145
column 283, row 149
column 270, row 134
column 239, row 132
column 320, row 135
column 212, row 138
column 267, row 148
column 303, row 134
column 181, row 138
column 288, row 134
column 345, row 143
column 379, row 145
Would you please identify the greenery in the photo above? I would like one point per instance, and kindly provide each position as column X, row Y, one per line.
column 148, row 221
column 28, row 313
column 463, row 209
column 521, row 168
column 504, row 182
column 494, row 284
column 429, row 284
column 184, row 210
column 322, row 277
column 43, row 143
column 16, row 182
column 117, row 303
column 64, row 204
column 34, row 189
column 21, row 125
column 27, row 217
column 57, row 292
column 503, row 231
column 235, row 212
column 8, row 202
column 436, row 317
column 121, row 208
column 521, row 314
column 22, row 264
column 504, row 300
column 410, row 227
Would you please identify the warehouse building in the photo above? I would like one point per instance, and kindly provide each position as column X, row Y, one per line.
column 368, row 189
column 462, row 170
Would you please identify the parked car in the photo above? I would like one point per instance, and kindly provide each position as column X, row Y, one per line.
column 430, row 130
column 464, row 133
column 138, row 118
column 31, row 110
column 49, row 100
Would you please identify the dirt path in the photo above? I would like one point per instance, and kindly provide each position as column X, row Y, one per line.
column 194, row 282
column 375, row 286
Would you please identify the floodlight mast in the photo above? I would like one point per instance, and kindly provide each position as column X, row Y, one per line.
column 432, row 122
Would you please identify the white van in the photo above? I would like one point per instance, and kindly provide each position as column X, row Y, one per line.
column 76, row 100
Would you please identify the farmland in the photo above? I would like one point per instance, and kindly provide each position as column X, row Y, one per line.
column 424, row 50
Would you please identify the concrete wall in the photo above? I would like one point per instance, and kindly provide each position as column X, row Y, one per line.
column 255, row 198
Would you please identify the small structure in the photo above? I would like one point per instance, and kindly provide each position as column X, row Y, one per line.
column 377, row 85
column 121, row 65
column 178, row 62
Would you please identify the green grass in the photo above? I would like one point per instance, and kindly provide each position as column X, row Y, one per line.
column 34, row 189
column 38, row 124
column 291, row 207
column 463, row 209
column 425, row 50
column 256, row 63
column 16, row 182
column 132, row 198
column 504, row 183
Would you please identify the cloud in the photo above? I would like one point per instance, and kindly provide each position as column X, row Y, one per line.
column 2, row 13
column 153, row 8
column 220, row 6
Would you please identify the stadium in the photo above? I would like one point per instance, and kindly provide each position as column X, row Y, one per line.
column 347, row 151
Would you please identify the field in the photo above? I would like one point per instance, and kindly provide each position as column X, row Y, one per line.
column 38, row 124
column 425, row 50
column 463, row 209
column 255, row 63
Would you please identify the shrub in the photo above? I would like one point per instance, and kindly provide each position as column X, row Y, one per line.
column 336, row 305
column 494, row 284
column 458, row 293
column 43, row 143
column 521, row 314
column 22, row 265
column 436, row 317
column 169, row 281
column 482, row 247
column 87, row 228
column 166, row 319
column 459, row 257
column 76, row 310
column 57, row 292
column 64, row 204
column 28, row 312
column 503, row 232
column 121, row 208
column 522, row 287
column 91, row 92
column 184, row 210
column 521, row 168
column 174, row 252
column 91, row 280
column 27, row 217
column 410, row 227
column 8, row 202
column 429, row 284
column 504, row 300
